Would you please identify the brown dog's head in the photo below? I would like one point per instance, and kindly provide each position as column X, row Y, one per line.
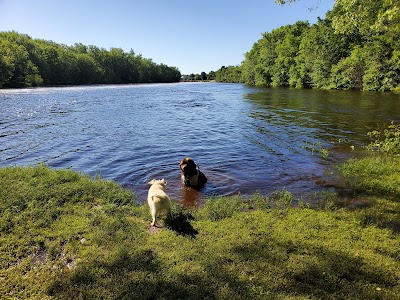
column 191, row 175
column 188, row 168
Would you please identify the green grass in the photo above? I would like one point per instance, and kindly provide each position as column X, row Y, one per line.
column 374, row 175
column 377, row 179
column 66, row 235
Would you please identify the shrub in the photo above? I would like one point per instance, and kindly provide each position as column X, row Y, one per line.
column 387, row 140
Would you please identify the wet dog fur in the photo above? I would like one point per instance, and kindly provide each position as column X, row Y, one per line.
column 191, row 175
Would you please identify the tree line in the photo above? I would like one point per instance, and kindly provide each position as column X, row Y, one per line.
column 27, row 62
column 356, row 46
column 203, row 76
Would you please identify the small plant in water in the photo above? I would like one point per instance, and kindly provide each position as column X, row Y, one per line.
column 386, row 140
column 316, row 147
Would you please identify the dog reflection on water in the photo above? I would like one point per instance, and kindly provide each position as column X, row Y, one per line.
column 190, row 197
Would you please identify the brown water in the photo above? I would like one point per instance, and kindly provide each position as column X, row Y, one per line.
column 244, row 139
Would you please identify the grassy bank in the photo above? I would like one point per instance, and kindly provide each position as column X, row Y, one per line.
column 65, row 236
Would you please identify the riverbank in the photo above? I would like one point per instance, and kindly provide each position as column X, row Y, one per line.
column 65, row 235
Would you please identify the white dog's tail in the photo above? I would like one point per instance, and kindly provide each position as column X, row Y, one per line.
column 158, row 198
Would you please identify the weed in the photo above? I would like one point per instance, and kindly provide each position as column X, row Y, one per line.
column 218, row 208
column 316, row 147
column 260, row 202
column 386, row 140
column 283, row 199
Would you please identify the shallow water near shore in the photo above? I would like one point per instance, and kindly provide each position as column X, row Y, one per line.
column 244, row 139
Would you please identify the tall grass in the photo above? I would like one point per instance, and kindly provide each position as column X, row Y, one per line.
column 374, row 175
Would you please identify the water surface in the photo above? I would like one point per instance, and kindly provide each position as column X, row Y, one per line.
column 243, row 138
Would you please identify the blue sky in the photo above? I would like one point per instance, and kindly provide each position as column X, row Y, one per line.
column 194, row 36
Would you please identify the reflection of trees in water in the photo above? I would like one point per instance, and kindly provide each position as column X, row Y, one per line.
column 325, row 115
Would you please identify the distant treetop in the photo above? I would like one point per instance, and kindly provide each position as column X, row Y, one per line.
column 27, row 62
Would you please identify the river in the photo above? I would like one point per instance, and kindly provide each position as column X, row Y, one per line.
column 245, row 139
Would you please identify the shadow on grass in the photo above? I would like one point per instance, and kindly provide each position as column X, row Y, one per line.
column 381, row 217
column 137, row 276
column 261, row 270
column 318, row 272
column 128, row 276
column 374, row 208
column 181, row 225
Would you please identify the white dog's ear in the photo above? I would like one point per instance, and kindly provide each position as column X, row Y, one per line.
column 151, row 182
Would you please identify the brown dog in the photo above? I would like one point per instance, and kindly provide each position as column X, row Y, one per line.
column 191, row 175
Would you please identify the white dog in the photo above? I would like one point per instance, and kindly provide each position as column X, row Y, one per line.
column 158, row 199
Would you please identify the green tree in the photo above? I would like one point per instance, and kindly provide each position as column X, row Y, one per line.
column 356, row 46
column 248, row 67
column 211, row 75
column 286, row 49
column 320, row 48
column 392, row 78
column 365, row 16
column 271, row 60
column 349, row 72
column 229, row 74
column 27, row 62
column 32, row 77
column 19, row 70
column 6, row 62
column 47, row 58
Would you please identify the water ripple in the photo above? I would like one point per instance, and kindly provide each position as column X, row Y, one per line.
column 244, row 139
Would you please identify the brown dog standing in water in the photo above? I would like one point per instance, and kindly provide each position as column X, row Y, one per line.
column 191, row 175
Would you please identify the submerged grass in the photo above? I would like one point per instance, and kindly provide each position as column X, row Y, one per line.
column 65, row 236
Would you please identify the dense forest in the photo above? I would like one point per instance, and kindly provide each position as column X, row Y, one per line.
column 356, row 46
column 203, row 76
column 27, row 62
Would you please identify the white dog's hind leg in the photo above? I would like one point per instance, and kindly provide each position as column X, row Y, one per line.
column 153, row 216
